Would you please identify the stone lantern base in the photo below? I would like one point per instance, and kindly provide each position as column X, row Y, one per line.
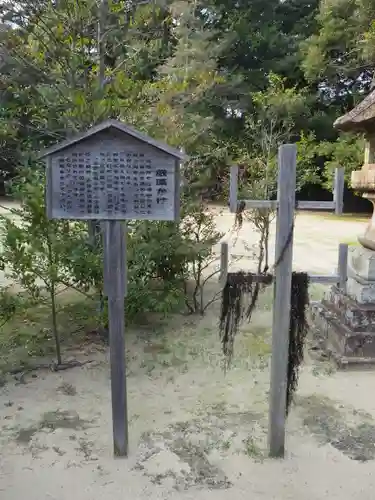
column 344, row 322
column 345, row 319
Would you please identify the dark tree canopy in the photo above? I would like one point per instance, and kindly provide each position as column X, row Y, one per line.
column 202, row 74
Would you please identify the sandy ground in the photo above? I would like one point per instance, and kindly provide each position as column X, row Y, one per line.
column 316, row 240
column 195, row 432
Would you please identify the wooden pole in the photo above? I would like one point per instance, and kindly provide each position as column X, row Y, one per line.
column 338, row 190
column 282, row 293
column 114, row 277
column 343, row 266
column 233, row 188
column 223, row 262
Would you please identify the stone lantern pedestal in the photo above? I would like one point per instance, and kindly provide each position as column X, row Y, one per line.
column 361, row 263
column 345, row 319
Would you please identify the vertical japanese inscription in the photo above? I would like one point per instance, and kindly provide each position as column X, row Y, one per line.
column 161, row 186
column 112, row 184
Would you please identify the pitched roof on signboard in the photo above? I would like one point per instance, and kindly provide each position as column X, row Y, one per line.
column 122, row 127
column 360, row 118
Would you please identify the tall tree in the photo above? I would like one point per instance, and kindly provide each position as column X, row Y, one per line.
column 339, row 61
column 337, row 56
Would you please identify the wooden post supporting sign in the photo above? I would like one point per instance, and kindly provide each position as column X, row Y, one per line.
column 115, row 289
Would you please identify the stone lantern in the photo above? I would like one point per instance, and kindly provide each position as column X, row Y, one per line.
column 345, row 319
column 362, row 119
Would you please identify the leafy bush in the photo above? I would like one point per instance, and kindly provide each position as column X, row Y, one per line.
column 43, row 256
column 200, row 236
column 36, row 251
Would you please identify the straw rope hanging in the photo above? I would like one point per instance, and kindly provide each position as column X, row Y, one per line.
column 239, row 299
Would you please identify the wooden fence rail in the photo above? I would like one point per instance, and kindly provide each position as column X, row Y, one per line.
column 336, row 204
column 338, row 278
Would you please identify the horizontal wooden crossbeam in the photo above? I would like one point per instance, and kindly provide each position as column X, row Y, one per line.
column 301, row 205
column 252, row 204
column 314, row 278
column 336, row 204
column 316, row 205
column 338, row 278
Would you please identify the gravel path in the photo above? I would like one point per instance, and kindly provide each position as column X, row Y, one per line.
column 316, row 240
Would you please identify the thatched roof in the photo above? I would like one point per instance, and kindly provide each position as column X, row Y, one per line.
column 359, row 119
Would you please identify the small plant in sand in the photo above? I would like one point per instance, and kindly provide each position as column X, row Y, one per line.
column 36, row 252
column 200, row 236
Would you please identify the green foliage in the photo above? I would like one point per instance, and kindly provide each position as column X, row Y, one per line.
column 11, row 304
column 276, row 111
column 339, row 56
column 35, row 250
column 346, row 152
column 170, row 70
column 170, row 263
column 27, row 334
column 45, row 257
column 156, row 265
column 200, row 237
column 307, row 171
column 368, row 43
column 36, row 247
column 341, row 46
column 53, row 89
